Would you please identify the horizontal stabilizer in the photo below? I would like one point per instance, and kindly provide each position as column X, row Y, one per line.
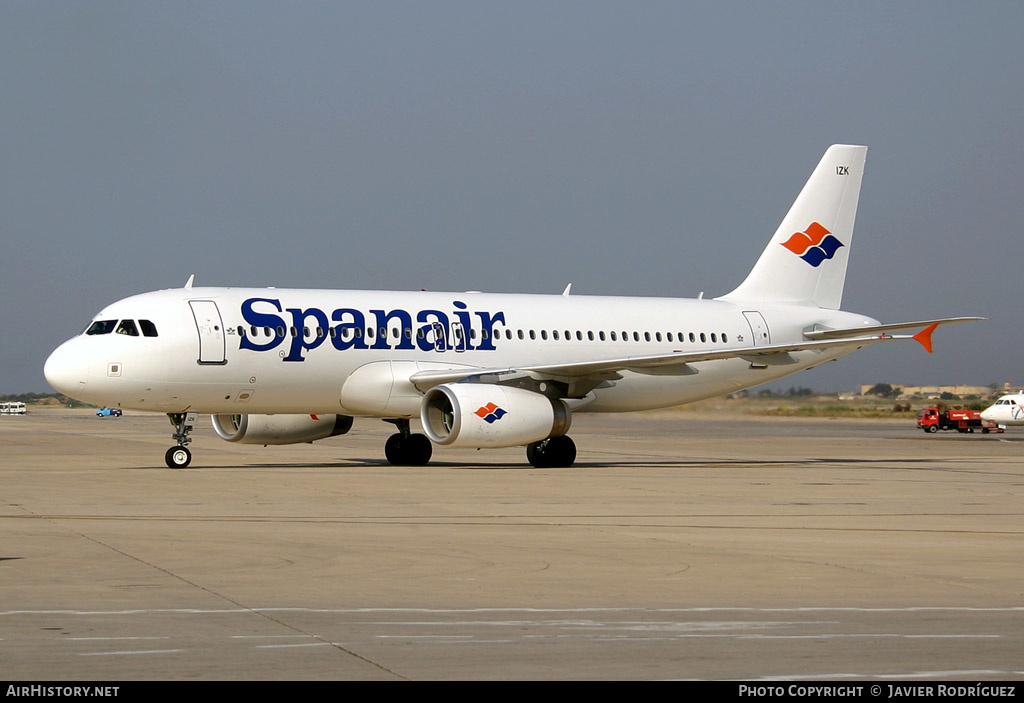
column 887, row 329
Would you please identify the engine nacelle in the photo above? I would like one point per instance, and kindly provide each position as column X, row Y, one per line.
column 486, row 415
column 279, row 429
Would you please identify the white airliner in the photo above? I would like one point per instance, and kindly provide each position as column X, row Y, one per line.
column 278, row 366
column 1007, row 411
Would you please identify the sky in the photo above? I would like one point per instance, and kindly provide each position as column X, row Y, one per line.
column 630, row 148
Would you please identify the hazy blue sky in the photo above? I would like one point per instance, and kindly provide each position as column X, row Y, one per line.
column 633, row 148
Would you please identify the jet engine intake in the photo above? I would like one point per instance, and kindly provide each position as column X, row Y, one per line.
column 279, row 429
column 479, row 415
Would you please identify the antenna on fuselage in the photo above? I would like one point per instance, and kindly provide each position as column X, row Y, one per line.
column 566, row 291
column 188, row 283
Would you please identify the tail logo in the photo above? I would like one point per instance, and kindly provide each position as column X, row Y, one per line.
column 814, row 245
column 490, row 413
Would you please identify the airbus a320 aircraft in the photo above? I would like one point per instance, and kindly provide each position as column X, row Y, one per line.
column 277, row 366
column 1007, row 411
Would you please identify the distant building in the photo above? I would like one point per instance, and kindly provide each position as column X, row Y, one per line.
column 935, row 391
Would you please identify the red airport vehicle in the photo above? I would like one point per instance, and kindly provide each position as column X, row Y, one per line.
column 933, row 419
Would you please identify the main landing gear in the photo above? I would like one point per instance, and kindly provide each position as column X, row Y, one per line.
column 406, row 449
column 402, row 448
column 551, row 453
column 179, row 457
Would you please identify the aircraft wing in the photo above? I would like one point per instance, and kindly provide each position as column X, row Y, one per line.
column 591, row 373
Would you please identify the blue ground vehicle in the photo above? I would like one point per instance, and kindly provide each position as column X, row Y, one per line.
column 108, row 412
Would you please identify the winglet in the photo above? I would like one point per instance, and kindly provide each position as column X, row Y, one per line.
column 925, row 336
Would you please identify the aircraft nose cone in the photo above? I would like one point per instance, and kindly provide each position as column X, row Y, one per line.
column 66, row 370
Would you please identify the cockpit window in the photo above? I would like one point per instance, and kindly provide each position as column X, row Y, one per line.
column 128, row 327
column 148, row 328
column 101, row 327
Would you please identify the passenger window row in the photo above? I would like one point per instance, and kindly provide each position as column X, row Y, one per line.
column 625, row 336
column 544, row 335
column 333, row 332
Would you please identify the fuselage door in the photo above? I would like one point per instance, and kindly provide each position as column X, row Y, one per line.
column 211, row 332
column 758, row 328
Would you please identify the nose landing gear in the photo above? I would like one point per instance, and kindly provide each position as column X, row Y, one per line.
column 179, row 457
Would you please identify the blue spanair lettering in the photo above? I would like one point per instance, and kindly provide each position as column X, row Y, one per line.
column 487, row 321
column 299, row 325
column 348, row 335
column 258, row 319
column 462, row 334
column 433, row 336
column 405, row 323
column 437, row 331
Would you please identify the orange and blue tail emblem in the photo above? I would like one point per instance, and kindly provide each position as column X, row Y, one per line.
column 813, row 245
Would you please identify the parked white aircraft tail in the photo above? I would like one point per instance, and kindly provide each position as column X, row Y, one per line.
column 279, row 366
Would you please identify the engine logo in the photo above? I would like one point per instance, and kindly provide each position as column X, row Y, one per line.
column 814, row 245
column 490, row 413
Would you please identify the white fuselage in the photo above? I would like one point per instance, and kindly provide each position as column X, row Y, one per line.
column 266, row 350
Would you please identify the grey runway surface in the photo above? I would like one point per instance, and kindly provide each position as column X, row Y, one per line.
column 680, row 546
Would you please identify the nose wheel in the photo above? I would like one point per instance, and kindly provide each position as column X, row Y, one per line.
column 179, row 457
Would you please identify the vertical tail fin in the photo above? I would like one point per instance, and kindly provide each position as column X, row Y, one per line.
column 805, row 262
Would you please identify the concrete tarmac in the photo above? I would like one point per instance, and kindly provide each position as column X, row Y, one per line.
column 680, row 546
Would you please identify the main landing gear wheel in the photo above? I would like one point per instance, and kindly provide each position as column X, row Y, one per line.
column 412, row 450
column 556, row 452
column 178, row 457
column 405, row 448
